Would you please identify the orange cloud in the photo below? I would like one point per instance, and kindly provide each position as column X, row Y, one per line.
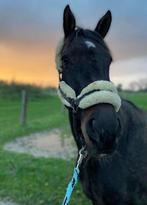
column 29, row 66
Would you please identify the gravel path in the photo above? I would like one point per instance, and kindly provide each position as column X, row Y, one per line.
column 44, row 144
column 7, row 203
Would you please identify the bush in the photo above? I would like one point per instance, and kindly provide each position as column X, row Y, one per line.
column 13, row 90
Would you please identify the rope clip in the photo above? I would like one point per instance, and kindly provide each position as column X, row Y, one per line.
column 82, row 155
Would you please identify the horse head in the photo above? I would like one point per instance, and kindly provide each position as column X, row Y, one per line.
column 83, row 60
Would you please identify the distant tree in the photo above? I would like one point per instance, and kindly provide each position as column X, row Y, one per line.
column 119, row 87
column 14, row 90
column 134, row 86
column 140, row 85
column 143, row 84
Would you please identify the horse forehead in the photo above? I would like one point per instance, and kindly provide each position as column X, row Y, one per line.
column 89, row 44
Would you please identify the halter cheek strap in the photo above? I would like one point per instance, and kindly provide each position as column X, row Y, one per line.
column 95, row 93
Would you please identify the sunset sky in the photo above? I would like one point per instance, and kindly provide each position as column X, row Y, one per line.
column 30, row 30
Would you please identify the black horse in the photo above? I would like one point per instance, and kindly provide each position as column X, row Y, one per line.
column 115, row 171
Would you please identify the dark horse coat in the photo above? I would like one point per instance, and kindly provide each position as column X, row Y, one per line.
column 120, row 176
column 122, row 179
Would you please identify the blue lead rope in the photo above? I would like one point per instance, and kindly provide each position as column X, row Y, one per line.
column 71, row 186
column 75, row 178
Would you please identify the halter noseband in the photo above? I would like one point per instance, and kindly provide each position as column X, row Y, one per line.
column 97, row 92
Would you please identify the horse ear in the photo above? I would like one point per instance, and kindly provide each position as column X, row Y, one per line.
column 104, row 24
column 69, row 22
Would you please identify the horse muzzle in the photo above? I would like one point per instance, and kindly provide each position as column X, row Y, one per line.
column 100, row 128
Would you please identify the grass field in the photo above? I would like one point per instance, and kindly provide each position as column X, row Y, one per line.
column 32, row 181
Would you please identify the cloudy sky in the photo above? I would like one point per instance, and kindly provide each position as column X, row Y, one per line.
column 30, row 30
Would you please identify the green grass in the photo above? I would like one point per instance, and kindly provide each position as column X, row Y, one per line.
column 31, row 181
column 27, row 180
column 43, row 114
column 38, row 181
column 139, row 98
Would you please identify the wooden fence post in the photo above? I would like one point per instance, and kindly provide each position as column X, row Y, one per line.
column 24, row 103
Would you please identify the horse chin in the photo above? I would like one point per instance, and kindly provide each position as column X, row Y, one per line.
column 94, row 152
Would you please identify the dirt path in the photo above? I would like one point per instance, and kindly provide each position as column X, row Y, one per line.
column 7, row 203
column 44, row 144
